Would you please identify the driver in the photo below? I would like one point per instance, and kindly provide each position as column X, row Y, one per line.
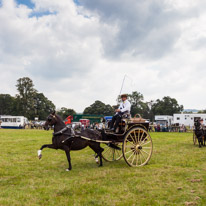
column 124, row 108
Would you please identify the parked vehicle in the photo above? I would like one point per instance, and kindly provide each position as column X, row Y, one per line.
column 76, row 125
column 85, row 122
column 13, row 122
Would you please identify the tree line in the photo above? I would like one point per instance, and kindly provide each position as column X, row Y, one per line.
column 148, row 110
column 31, row 103
column 28, row 102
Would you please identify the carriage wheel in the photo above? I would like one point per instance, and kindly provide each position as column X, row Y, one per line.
column 110, row 154
column 137, row 147
column 194, row 138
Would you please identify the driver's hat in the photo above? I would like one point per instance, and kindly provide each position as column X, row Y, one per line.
column 123, row 95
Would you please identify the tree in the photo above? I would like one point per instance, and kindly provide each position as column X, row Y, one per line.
column 150, row 114
column 42, row 106
column 99, row 108
column 65, row 112
column 166, row 106
column 29, row 102
column 7, row 104
column 26, row 96
column 201, row 111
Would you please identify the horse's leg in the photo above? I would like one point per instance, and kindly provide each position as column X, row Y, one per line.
column 100, row 156
column 202, row 140
column 199, row 141
column 51, row 146
column 97, row 149
column 67, row 151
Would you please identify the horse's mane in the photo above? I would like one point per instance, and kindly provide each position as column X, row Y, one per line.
column 59, row 118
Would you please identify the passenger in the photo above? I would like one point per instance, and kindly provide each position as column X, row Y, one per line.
column 124, row 108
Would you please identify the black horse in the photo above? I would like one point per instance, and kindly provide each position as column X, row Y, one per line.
column 200, row 133
column 65, row 138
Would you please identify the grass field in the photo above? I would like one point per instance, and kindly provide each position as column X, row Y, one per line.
column 175, row 175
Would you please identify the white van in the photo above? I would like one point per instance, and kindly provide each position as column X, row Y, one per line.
column 13, row 122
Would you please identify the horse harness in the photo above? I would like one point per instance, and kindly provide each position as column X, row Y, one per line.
column 73, row 135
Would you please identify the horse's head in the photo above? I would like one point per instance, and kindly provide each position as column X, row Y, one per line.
column 50, row 121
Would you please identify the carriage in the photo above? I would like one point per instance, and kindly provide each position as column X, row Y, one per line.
column 132, row 138
column 132, row 142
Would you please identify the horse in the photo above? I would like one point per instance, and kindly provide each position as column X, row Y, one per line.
column 200, row 133
column 66, row 139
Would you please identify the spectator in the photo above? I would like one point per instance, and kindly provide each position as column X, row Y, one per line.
column 158, row 128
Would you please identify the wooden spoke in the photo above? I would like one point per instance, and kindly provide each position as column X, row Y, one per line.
column 133, row 159
column 144, row 140
column 110, row 154
column 108, row 150
column 131, row 143
column 132, row 139
column 145, row 152
column 135, row 136
column 118, row 154
column 130, row 156
column 145, row 143
column 129, row 146
column 139, row 136
column 128, row 151
column 142, row 155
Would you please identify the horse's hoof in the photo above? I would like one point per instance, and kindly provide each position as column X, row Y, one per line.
column 39, row 154
column 97, row 160
column 67, row 170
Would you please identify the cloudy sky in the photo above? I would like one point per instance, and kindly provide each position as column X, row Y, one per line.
column 79, row 51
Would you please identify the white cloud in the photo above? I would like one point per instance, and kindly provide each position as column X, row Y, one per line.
column 78, row 54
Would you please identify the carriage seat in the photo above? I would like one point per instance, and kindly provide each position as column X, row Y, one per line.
column 125, row 118
column 126, row 115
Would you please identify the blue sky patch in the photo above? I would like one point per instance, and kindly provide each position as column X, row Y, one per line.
column 76, row 2
column 31, row 5
column 42, row 13
column 28, row 3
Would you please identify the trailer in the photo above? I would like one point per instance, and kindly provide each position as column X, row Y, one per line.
column 164, row 120
column 13, row 122
column 188, row 119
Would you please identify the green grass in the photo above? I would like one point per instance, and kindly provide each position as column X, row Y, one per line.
column 175, row 175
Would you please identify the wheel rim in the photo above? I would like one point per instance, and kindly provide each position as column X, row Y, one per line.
column 137, row 147
column 110, row 154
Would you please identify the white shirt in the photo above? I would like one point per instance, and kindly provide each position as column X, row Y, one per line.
column 125, row 106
